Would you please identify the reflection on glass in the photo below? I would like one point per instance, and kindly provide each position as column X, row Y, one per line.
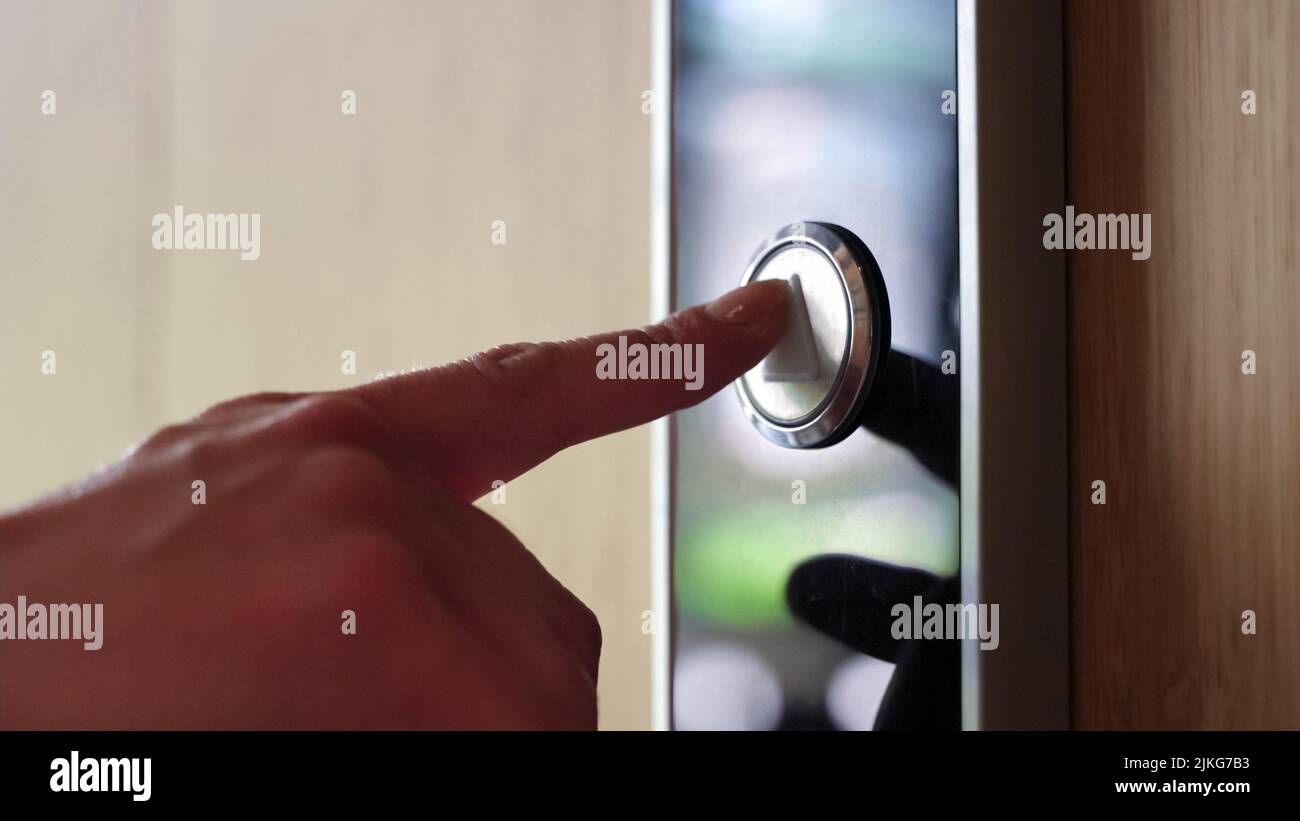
column 827, row 111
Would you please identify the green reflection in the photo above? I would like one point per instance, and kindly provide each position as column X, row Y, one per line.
column 731, row 568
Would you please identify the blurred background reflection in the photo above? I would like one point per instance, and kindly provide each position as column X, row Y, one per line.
column 829, row 111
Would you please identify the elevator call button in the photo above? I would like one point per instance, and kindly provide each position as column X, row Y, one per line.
column 809, row 390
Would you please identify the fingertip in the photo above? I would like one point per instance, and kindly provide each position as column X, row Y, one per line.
column 758, row 306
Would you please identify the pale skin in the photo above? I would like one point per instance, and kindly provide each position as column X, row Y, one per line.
column 227, row 614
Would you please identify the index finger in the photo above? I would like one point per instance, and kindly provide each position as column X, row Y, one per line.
column 497, row 414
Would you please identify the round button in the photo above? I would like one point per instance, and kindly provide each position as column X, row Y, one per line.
column 808, row 391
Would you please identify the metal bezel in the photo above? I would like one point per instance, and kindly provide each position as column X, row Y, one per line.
column 836, row 416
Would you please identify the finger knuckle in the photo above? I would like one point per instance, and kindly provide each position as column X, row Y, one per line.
column 331, row 418
column 345, row 479
column 520, row 371
column 242, row 404
column 189, row 446
column 167, row 439
column 520, row 376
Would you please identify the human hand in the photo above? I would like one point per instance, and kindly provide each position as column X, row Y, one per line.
column 227, row 614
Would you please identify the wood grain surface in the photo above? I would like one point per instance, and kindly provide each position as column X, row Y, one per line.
column 1201, row 461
